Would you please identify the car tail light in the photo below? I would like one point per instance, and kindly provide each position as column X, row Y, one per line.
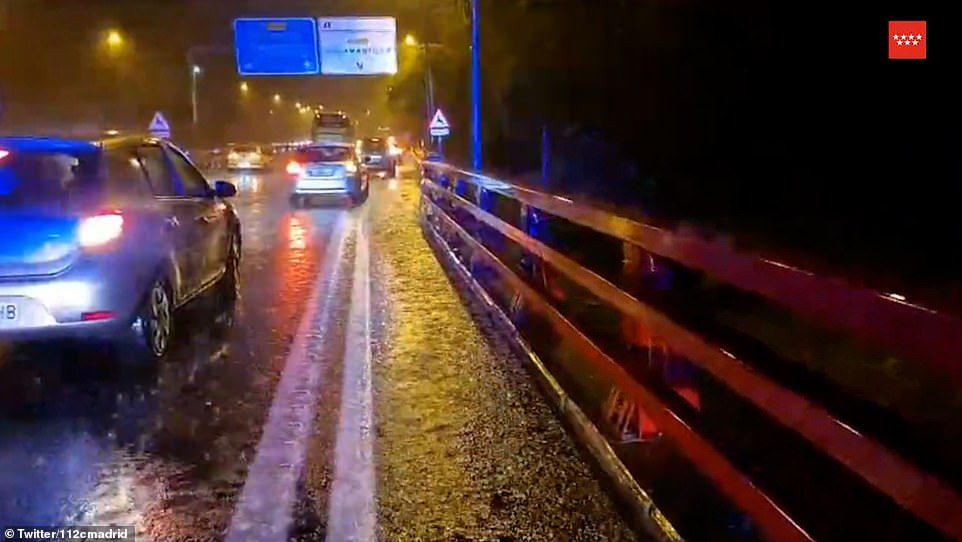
column 98, row 230
column 3, row 154
column 96, row 316
column 294, row 168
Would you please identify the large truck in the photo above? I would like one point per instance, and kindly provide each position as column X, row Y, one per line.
column 333, row 127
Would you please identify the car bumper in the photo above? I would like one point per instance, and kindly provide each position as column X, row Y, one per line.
column 244, row 165
column 92, row 300
column 325, row 187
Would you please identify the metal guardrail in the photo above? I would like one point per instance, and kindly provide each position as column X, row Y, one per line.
column 885, row 320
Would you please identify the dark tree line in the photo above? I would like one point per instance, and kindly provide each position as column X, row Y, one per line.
column 747, row 115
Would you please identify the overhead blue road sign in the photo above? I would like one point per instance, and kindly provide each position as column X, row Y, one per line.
column 276, row 46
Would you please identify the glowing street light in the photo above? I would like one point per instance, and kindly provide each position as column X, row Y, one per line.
column 277, row 98
column 195, row 70
column 243, row 86
column 410, row 40
column 114, row 39
column 297, row 105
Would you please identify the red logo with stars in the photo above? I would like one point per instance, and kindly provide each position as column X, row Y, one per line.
column 907, row 39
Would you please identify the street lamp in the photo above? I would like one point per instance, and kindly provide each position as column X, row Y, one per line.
column 425, row 48
column 114, row 39
column 243, row 87
column 297, row 105
column 113, row 48
column 475, row 85
column 277, row 98
column 194, row 74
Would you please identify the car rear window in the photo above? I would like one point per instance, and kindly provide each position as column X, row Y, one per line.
column 246, row 148
column 331, row 120
column 326, row 154
column 48, row 180
column 374, row 145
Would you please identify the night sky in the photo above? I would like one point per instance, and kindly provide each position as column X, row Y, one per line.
column 60, row 71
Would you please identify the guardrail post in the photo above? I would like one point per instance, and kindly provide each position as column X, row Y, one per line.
column 633, row 331
column 484, row 200
column 528, row 261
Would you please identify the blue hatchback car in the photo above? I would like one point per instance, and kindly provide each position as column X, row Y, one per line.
column 104, row 240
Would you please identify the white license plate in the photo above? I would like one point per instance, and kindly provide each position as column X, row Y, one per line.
column 321, row 184
column 9, row 313
column 321, row 172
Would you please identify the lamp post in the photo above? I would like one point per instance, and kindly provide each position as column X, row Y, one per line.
column 195, row 72
column 475, row 86
column 115, row 47
column 425, row 48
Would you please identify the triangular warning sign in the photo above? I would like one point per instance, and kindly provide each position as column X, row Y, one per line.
column 439, row 122
column 159, row 124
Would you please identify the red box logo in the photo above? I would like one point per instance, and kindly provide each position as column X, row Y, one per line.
column 907, row 39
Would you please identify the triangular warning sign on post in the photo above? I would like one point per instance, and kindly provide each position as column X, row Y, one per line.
column 159, row 127
column 439, row 120
column 439, row 125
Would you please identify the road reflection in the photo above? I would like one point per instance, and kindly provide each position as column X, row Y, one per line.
column 249, row 183
column 76, row 429
column 297, row 232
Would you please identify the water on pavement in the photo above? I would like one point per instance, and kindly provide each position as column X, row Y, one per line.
column 454, row 442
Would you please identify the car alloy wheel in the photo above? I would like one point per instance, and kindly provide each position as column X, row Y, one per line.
column 158, row 319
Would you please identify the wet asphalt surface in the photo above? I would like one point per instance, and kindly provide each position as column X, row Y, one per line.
column 461, row 444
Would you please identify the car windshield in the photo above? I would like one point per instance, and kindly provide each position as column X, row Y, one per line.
column 329, row 153
column 53, row 181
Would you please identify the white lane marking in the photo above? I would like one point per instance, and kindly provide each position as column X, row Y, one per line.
column 265, row 508
column 352, row 514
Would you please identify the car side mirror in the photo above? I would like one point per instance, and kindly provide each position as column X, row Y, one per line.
column 224, row 189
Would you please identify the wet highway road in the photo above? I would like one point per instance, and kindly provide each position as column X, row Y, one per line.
column 350, row 397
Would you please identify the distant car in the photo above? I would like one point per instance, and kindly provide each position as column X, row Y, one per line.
column 327, row 170
column 376, row 156
column 246, row 157
column 111, row 238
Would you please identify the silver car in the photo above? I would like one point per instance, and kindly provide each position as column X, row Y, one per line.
column 246, row 157
column 327, row 170
column 106, row 239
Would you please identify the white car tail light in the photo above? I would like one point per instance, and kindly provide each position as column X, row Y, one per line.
column 99, row 230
